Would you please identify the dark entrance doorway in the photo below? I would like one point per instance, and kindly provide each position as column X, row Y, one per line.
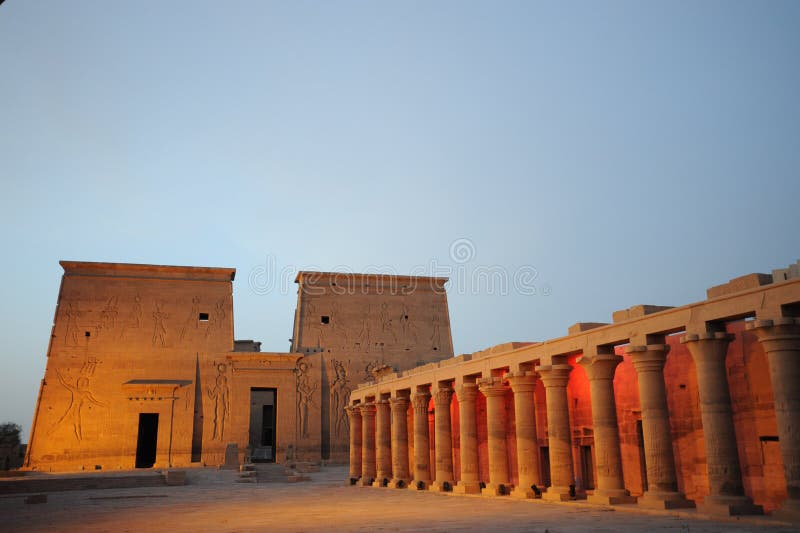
column 147, row 441
column 263, row 425
column 544, row 453
column 587, row 468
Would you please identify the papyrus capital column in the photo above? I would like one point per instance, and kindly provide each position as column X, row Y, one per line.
column 367, row 443
column 495, row 393
column 354, row 417
column 422, row 445
column 383, row 443
column 726, row 489
column 559, row 436
column 662, row 492
column 780, row 339
column 443, row 441
column 523, row 385
column 600, row 369
column 469, row 483
column 399, row 430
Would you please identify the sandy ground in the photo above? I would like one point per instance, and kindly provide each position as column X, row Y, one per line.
column 213, row 501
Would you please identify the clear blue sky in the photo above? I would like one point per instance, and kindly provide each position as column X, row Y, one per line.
column 630, row 152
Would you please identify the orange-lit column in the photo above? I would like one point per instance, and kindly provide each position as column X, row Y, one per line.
column 600, row 369
column 354, row 417
column 662, row 481
column 725, row 486
column 468, row 433
column 367, row 443
column 523, row 385
column 399, row 442
column 780, row 339
column 495, row 393
column 559, row 436
column 422, row 445
column 383, row 443
column 444, row 439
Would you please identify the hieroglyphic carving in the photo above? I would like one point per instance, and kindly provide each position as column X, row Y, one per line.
column 221, row 397
column 73, row 313
column 219, row 317
column 387, row 326
column 408, row 326
column 159, row 330
column 305, row 395
column 134, row 319
column 89, row 366
column 364, row 337
column 80, row 395
column 193, row 319
column 108, row 316
column 436, row 336
column 340, row 390
column 337, row 329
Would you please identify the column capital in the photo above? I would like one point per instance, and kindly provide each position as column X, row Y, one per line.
column 442, row 396
column 420, row 400
column 600, row 366
column 778, row 333
column 708, row 345
column 554, row 375
column 382, row 402
column 492, row 386
column 467, row 392
column 648, row 358
column 352, row 411
column 367, row 409
column 401, row 403
column 522, row 381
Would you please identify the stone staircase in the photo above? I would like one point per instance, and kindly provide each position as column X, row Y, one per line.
column 275, row 473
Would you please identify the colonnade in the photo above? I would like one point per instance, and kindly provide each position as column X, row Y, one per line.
column 379, row 454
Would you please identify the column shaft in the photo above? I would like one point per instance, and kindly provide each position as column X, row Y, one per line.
column 383, row 443
column 662, row 479
column 399, row 432
column 354, row 417
column 523, row 385
column 443, row 442
column 495, row 393
column 367, row 443
column 468, row 438
column 422, row 445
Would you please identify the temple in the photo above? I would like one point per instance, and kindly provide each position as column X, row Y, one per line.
column 668, row 407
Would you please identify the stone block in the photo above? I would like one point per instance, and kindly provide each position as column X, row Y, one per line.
column 175, row 477
column 742, row 283
column 36, row 498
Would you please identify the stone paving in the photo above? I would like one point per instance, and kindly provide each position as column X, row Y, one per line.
column 213, row 501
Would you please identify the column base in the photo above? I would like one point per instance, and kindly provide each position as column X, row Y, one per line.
column 351, row 481
column 398, row 483
column 729, row 506
column 526, row 493
column 562, row 494
column 365, row 481
column 441, row 486
column 497, row 489
column 611, row 497
column 467, row 487
column 665, row 500
column 789, row 511
column 419, row 484
column 381, row 482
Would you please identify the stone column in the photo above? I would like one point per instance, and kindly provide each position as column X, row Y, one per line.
column 422, row 445
column 725, row 486
column 662, row 480
column 559, row 435
column 780, row 339
column 600, row 369
column 367, row 443
column 354, row 417
column 443, row 441
column 399, row 443
column 468, row 433
column 383, row 443
column 523, row 385
column 495, row 393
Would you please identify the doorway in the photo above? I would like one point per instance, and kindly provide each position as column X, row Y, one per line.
column 544, row 453
column 587, row 468
column 263, row 425
column 147, row 441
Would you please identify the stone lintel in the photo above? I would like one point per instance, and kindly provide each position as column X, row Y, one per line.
column 742, row 283
column 637, row 311
column 579, row 327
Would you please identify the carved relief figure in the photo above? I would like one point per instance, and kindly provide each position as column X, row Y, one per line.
column 73, row 313
column 340, row 390
column 364, row 334
column 386, row 323
column 108, row 316
column 436, row 336
column 134, row 320
column 315, row 331
column 89, row 366
column 80, row 395
column 219, row 317
column 305, row 395
column 159, row 331
column 408, row 326
column 337, row 329
column 221, row 397
column 191, row 320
